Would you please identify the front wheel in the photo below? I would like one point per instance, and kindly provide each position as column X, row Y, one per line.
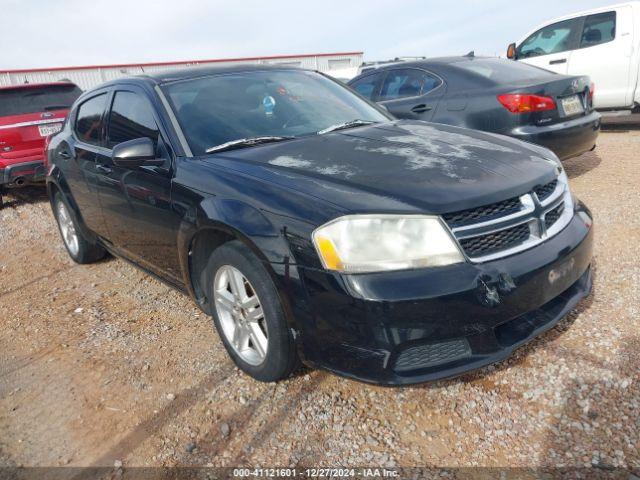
column 248, row 313
column 79, row 248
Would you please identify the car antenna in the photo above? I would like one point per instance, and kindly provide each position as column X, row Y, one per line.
column 471, row 54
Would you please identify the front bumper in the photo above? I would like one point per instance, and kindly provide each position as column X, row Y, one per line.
column 24, row 173
column 567, row 139
column 414, row 326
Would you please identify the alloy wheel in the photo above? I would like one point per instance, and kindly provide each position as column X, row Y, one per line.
column 241, row 315
column 68, row 229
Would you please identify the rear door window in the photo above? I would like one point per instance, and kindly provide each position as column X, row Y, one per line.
column 600, row 28
column 89, row 121
column 555, row 38
column 367, row 86
column 131, row 117
column 407, row 82
column 44, row 98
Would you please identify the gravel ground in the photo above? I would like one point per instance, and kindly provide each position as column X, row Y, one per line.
column 103, row 365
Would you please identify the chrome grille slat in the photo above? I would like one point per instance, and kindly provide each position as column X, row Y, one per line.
column 542, row 213
column 470, row 216
column 490, row 228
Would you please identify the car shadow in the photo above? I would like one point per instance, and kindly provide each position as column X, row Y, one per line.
column 578, row 166
column 13, row 197
column 154, row 424
column 211, row 443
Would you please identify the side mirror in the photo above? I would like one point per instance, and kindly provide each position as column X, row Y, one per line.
column 135, row 153
column 511, row 51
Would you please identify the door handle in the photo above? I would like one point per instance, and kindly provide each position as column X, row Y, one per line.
column 421, row 108
column 558, row 62
column 103, row 168
column 64, row 154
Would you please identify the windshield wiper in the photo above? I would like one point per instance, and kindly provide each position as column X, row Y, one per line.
column 342, row 126
column 245, row 142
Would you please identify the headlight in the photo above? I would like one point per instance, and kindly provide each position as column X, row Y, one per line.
column 371, row 243
column 564, row 180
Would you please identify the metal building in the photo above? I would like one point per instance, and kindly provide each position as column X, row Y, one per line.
column 90, row 76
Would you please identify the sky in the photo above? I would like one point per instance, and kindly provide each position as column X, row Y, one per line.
column 56, row 33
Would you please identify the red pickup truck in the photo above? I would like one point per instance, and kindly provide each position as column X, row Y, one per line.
column 29, row 113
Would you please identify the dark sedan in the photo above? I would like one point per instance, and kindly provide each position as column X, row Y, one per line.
column 490, row 94
column 310, row 225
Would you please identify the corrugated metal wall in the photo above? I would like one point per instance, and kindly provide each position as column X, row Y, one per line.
column 88, row 77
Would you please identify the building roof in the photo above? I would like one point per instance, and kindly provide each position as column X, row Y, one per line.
column 26, row 86
column 181, row 62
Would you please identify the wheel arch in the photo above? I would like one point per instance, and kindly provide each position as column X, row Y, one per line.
column 56, row 183
column 199, row 242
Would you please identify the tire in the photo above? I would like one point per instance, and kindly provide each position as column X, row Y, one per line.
column 78, row 247
column 279, row 358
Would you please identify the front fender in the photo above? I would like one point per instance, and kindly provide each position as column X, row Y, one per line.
column 238, row 220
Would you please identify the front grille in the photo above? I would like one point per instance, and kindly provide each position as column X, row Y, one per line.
column 552, row 216
column 502, row 228
column 424, row 356
column 494, row 242
column 545, row 191
column 484, row 213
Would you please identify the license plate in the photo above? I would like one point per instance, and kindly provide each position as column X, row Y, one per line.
column 46, row 130
column 572, row 105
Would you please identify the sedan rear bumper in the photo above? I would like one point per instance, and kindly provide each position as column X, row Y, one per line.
column 567, row 139
column 24, row 173
column 414, row 326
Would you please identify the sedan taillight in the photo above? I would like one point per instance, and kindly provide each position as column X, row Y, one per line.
column 525, row 103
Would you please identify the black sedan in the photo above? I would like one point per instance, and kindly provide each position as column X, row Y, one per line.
column 490, row 94
column 311, row 225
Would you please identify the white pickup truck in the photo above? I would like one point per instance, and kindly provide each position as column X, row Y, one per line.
column 603, row 43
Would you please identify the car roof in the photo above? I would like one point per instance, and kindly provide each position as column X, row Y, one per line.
column 451, row 70
column 170, row 76
column 26, row 86
column 434, row 61
column 433, row 64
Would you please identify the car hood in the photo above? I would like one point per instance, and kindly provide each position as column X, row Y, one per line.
column 399, row 166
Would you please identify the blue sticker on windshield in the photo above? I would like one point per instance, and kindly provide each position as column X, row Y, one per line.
column 269, row 104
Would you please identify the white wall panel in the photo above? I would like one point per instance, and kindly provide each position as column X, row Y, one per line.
column 90, row 77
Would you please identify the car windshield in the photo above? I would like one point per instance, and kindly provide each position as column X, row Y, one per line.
column 503, row 71
column 37, row 99
column 224, row 108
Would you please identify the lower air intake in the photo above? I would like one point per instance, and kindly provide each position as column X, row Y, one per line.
column 425, row 356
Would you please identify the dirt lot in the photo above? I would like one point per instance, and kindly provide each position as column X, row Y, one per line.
column 102, row 364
